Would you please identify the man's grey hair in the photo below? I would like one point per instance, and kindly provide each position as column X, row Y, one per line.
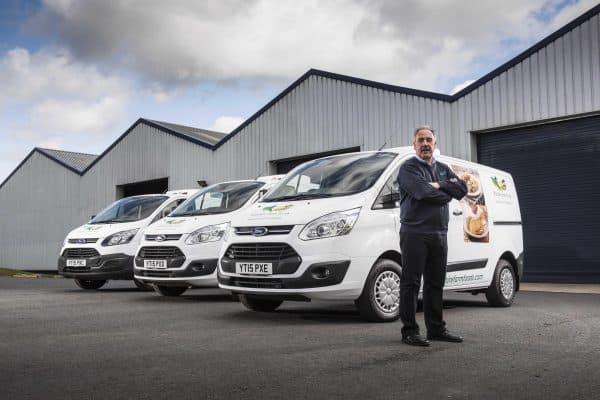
column 422, row 127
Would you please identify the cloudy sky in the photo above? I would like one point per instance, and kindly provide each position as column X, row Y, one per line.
column 75, row 74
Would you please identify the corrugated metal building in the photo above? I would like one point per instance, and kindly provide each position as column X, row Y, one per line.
column 532, row 116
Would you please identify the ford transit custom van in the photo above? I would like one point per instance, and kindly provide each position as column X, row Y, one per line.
column 181, row 251
column 330, row 231
column 103, row 249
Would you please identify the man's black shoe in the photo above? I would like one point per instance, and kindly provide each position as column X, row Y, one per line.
column 415, row 340
column 445, row 336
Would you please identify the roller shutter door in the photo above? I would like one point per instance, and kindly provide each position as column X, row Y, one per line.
column 556, row 168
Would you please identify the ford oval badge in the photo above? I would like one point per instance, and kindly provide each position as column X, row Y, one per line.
column 259, row 231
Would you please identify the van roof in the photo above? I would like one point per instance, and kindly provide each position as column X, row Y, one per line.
column 270, row 178
column 170, row 193
column 398, row 150
column 181, row 192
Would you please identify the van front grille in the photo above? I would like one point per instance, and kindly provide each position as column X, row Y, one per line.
column 160, row 252
column 260, row 251
column 161, row 238
column 80, row 253
column 264, row 230
column 83, row 241
column 257, row 283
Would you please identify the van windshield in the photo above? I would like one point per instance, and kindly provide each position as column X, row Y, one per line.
column 332, row 176
column 129, row 209
column 218, row 199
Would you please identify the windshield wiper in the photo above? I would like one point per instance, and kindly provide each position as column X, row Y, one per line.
column 110, row 221
column 196, row 213
column 186, row 214
column 300, row 196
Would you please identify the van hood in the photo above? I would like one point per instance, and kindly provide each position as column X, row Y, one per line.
column 101, row 230
column 295, row 212
column 184, row 225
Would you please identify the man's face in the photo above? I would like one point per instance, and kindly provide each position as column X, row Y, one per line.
column 424, row 144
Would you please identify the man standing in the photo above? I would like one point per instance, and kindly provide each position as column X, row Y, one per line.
column 426, row 188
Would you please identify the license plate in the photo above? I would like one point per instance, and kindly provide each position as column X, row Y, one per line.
column 254, row 268
column 76, row 263
column 155, row 264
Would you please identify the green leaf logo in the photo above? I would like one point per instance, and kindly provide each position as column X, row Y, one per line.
column 277, row 208
column 174, row 221
column 499, row 183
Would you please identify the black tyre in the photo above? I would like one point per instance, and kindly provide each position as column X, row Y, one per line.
column 142, row 286
column 380, row 298
column 89, row 284
column 259, row 304
column 170, row 291
column 501, row 292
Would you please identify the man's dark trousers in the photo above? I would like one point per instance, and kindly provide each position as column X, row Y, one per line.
column 422, row 254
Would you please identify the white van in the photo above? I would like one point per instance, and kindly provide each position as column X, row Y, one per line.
column 182, row 250
column 103, row 248
column 329, row 231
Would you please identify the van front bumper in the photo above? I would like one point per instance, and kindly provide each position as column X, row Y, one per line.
column 200, row 273
column 316, row 275
column 102, row 267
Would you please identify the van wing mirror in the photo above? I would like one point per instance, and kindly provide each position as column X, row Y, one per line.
column 388, row 200
column 390, row 197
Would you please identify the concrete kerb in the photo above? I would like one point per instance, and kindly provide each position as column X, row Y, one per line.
column 589, row 288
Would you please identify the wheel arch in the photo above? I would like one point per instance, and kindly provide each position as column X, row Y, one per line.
column 391, row 255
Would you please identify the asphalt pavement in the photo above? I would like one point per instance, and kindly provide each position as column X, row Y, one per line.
column 60, row 342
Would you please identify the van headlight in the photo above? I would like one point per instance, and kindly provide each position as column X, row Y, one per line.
column 334, row 224
column 122, row 237
column 210, row 233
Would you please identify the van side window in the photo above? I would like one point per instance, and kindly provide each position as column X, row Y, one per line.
column 389, row 197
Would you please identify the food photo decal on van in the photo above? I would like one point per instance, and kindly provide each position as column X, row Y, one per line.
column 475, row 213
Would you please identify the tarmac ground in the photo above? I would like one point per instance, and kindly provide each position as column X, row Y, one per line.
column 60, row 342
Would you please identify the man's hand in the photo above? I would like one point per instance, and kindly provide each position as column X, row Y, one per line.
column 437, row 184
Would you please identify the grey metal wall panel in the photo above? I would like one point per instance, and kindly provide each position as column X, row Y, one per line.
column 560, row 79
column 38, row 195
column 595, row 59
column 586, row 67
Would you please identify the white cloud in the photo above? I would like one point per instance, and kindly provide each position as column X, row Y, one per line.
column 226, row 124
column 76, row 115
column 50, row 73
column 59, row 96
column 50, row 99
column 413, row 42
column 461, row 86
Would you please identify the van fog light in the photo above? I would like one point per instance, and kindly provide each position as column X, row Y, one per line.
column 321, row 272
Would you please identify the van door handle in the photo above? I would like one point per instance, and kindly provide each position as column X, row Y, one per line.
column 457, row 212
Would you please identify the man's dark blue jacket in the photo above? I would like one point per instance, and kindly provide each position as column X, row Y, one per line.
column 423, row 208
